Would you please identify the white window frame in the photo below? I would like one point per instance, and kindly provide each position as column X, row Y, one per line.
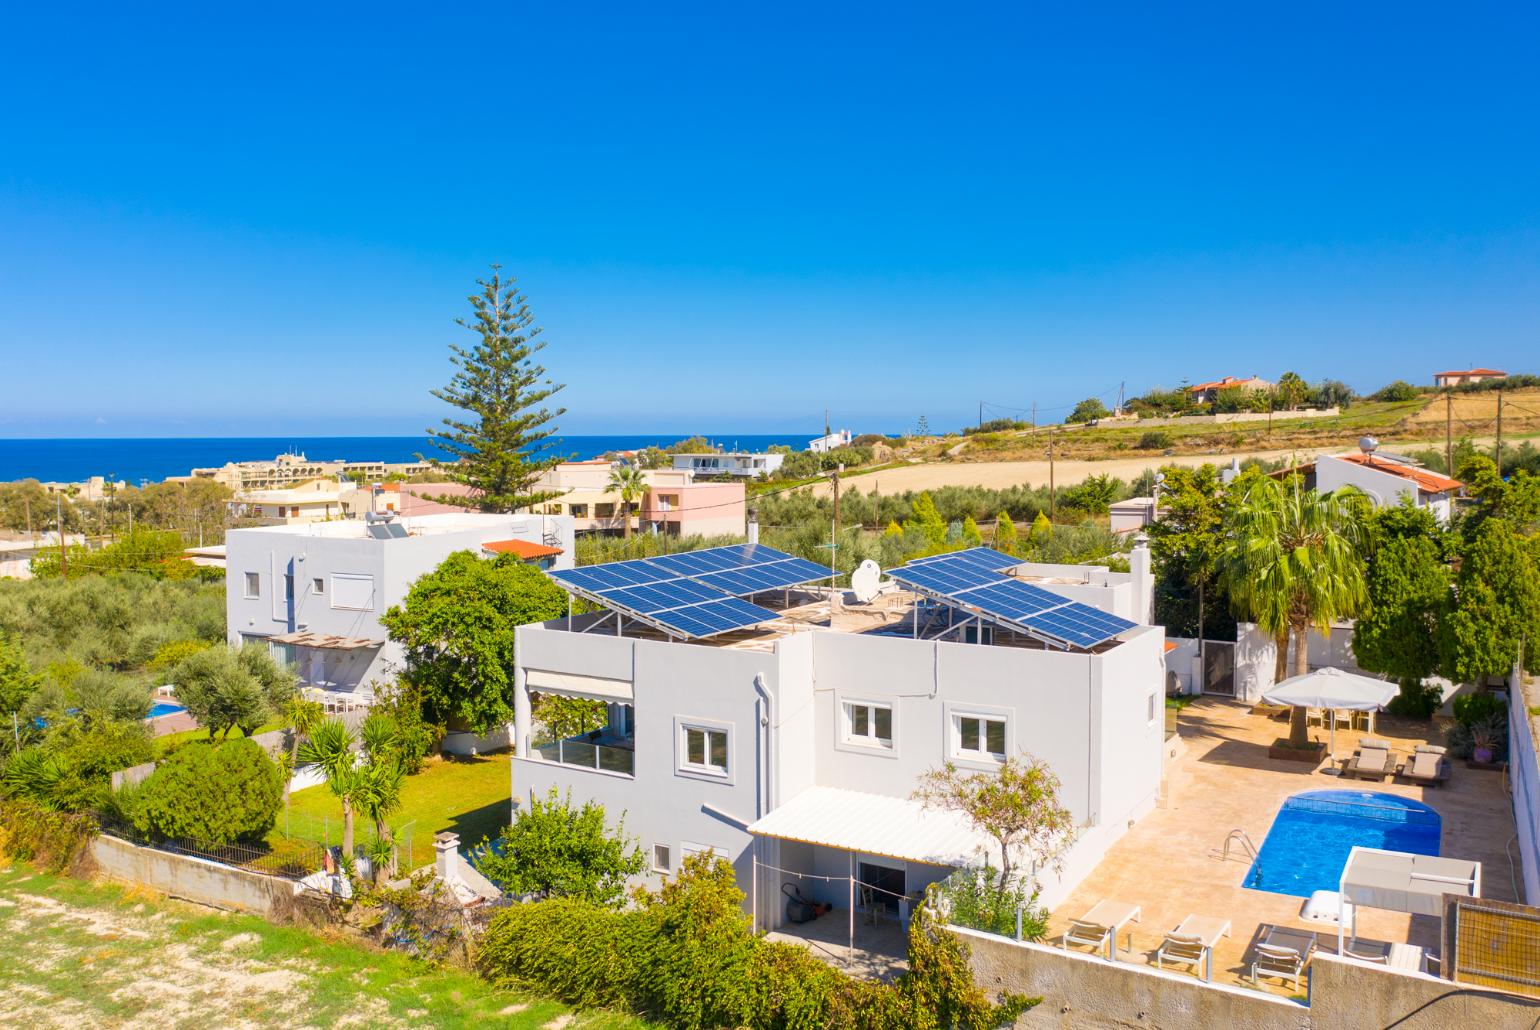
column 978, row 759
column 1154, row 710
column 667, row 865
column 870, row 744
column 250, row 593
column 682, row 764
column 318, row 584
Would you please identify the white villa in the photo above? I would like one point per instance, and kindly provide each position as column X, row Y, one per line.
column 791, row 744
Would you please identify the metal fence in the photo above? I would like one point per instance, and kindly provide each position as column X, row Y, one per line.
column 291, row 858
column 1492, row 944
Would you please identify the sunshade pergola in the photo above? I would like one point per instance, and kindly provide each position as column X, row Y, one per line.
column 1399, row 881
column 1334, row 689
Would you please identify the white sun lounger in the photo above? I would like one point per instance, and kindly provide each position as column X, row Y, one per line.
column 1284, row 953
column 1099, row 927
column 1193, row 942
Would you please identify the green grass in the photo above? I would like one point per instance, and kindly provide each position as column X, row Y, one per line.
column 164, row 745
column 88, row 954
column 470, row 796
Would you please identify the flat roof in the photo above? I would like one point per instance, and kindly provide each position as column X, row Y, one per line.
column 416, row 525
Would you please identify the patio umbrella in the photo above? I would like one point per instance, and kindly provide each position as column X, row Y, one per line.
column 1334, row 689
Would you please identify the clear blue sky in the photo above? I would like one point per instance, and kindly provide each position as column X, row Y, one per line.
column 259, row 220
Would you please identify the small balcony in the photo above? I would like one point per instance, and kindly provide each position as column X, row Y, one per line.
column 596, row 749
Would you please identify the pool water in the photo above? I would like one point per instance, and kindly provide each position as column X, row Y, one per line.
column 161, row 708
column 1313, row 833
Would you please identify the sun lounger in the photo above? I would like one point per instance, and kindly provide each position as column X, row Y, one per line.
column 1284, row 953
column 1193, row 942
column 1370, row 762
column 1099, row 927
column 1428, row 766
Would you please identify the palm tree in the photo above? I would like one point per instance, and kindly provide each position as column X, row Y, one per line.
column 1291, row 562
column 628, row 481
column 304, row 716
column 330, row 746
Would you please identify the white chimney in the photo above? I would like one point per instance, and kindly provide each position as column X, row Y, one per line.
column 1143, row 577
column 446, row 863
column 753, row 526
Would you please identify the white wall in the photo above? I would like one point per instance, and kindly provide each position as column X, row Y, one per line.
column 1524, row 775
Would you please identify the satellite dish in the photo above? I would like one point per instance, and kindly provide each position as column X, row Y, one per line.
column 864, row 581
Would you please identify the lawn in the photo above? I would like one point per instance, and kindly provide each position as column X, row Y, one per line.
column 164, row 744
column 86, row 954
column 470, row 796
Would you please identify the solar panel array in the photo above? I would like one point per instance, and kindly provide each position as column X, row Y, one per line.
column 983, row 557
column 694, row 593
column 968, row 581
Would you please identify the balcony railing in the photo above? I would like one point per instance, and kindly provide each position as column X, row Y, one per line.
column 581, row 751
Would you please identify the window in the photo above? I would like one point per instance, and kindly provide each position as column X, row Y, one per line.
column 980, row 737
column 318, row 585
column 705, row 749
column 288, row 586
column 1150, row 709
column 869, row 724
column 661, row 859
column 253, row 584
column 353, row 591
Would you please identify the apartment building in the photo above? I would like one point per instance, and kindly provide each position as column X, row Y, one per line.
column 790, row 742
column 315, row 592
column 289, row 470
column 315, row 500
column 673, row 502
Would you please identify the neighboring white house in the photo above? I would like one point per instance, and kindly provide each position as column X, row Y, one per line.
column 1387, row 478
column 825, row 444
column 1462, row 376
column 793, row 745
column 729, row 463
column 315, row 592
column 1131, row 515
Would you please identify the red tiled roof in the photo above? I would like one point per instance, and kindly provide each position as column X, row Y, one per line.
column 522, row 548
column 1226, row 381
column 393, row 488
column 1472, row 372
column 1426, row 479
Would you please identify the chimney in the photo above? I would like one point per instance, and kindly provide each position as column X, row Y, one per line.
column 1139, row 566
column 446, row 863
column 753, row 525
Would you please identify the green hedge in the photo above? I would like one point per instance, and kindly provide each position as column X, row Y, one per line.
column 687, row 957
column 215, row 792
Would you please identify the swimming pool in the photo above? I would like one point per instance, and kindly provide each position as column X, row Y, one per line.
column 161, row 708
column 1313, row 833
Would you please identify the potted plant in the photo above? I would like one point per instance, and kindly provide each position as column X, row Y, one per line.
column 1485, row 737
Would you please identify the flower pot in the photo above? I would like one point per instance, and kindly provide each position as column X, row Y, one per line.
column 1482, row 755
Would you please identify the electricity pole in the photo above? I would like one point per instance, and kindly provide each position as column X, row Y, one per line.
column 1052, row 493
column 1034, row 416
column 834, row 531
column 64, row 570
column 1449, row 431
column 981, row 414
column 1498, row 455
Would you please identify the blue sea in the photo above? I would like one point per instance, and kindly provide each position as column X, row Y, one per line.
column 151, row 460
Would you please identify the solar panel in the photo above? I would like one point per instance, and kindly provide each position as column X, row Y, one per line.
column 613, row 575
column 982, row 557
column 713, row 617
column 742, row 569
column 946, row 577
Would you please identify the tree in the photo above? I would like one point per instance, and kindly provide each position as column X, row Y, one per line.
column 304, row 716
column 971, row 537
column 1186, row 542
column 1088, row 410
column 1497, row 605
column 215, row 792
column 1042, row 530
column 1093, row 495
column 457, row 625
column 1400, row 390
column 628, row 481
column 927, row 521
column 1005, row 533
column 330, row 749
column 500, row 444
column 1291, row 562
column 1332, row 393
column 379, row 780
column 556, row 851
column 226, row 689
column 1406, row 597
column 17, row 680
column 1291, row 391
column 1017, row 805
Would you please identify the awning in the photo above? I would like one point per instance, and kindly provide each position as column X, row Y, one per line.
column 1332, row 688
column 875, row 824
column 325, row 641
column 573, row 685
column 521, row 548
column 1403, row 882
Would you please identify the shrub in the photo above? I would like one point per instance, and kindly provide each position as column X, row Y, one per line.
column 1416, row 700
column 49, row 840
column 1470, row 709
column 1155, row 440
column 983, row 899
column 1400, row 390
column 555, row 850
column 221, row 793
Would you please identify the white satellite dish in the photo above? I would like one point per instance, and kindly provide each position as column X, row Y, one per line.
column 864, row 581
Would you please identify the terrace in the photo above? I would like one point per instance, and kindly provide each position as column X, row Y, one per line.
column 1172, row 862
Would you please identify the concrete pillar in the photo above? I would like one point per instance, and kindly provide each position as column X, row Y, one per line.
column 446, row 862
column 519, row 738
column 1142, row 572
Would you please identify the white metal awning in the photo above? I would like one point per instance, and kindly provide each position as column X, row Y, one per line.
column 1403, row 882
column 574, row 685
column 875, row 824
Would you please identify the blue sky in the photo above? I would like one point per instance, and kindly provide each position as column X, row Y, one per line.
column 250, row 221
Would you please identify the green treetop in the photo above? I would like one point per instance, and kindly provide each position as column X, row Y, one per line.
column 1005, row 533
column 501, row 442
column 1408, row 594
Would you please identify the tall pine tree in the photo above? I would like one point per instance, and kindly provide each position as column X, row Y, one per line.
column 502, row 440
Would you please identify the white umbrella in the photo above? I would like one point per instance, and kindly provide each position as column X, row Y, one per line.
column 1332, row 689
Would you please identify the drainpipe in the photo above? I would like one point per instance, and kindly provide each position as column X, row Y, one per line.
column 767, row 739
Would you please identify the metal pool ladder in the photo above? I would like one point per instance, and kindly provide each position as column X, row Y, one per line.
column 1240, row 837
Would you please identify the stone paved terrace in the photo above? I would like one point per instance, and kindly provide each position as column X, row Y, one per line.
column 1222, row 780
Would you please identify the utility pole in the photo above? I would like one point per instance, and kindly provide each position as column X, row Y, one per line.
column 981, row 414
column 64, row 569
column 1449, row 431
column 31, row 539
column 1034, row 416
column 826, row 423
column 834, row 532
column 1053, row 496
column 1498, row 451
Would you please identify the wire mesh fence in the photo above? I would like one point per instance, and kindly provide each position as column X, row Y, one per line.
column 1492, row 944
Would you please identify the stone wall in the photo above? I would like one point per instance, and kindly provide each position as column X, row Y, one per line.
column 1355, row 996
column 194, row 879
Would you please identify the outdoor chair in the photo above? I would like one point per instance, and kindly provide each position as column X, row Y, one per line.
column 1192, row 943
column 1099, row 927
column 1370, row 762
column 1428, row 766
column 1283, row 953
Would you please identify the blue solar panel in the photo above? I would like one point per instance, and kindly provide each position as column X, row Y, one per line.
column 614, row 575
column 1079, row 624
column 742, row 568
column 946, row 577
column 982, row 557
column 705, row 620
column 657, row 597
column 1014, row 599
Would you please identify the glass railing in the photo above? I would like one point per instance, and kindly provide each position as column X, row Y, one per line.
column 590, row 755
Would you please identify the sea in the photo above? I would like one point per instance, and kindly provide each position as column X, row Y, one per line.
column 151, row 460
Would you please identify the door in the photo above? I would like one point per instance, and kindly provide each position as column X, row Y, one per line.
column 880, row 887
column 1219, row 667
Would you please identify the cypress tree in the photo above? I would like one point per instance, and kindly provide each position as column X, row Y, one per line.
column 502, row 441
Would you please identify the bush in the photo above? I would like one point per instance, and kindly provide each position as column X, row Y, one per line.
column 1400, row 390
column 982, row 899
column 49, row 840
column 1155, row 440
column 1088, row 410
column 221, row 793
column 1416, row 700
column 1470, row 709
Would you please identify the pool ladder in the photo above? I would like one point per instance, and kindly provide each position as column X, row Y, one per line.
column 1240, row 837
